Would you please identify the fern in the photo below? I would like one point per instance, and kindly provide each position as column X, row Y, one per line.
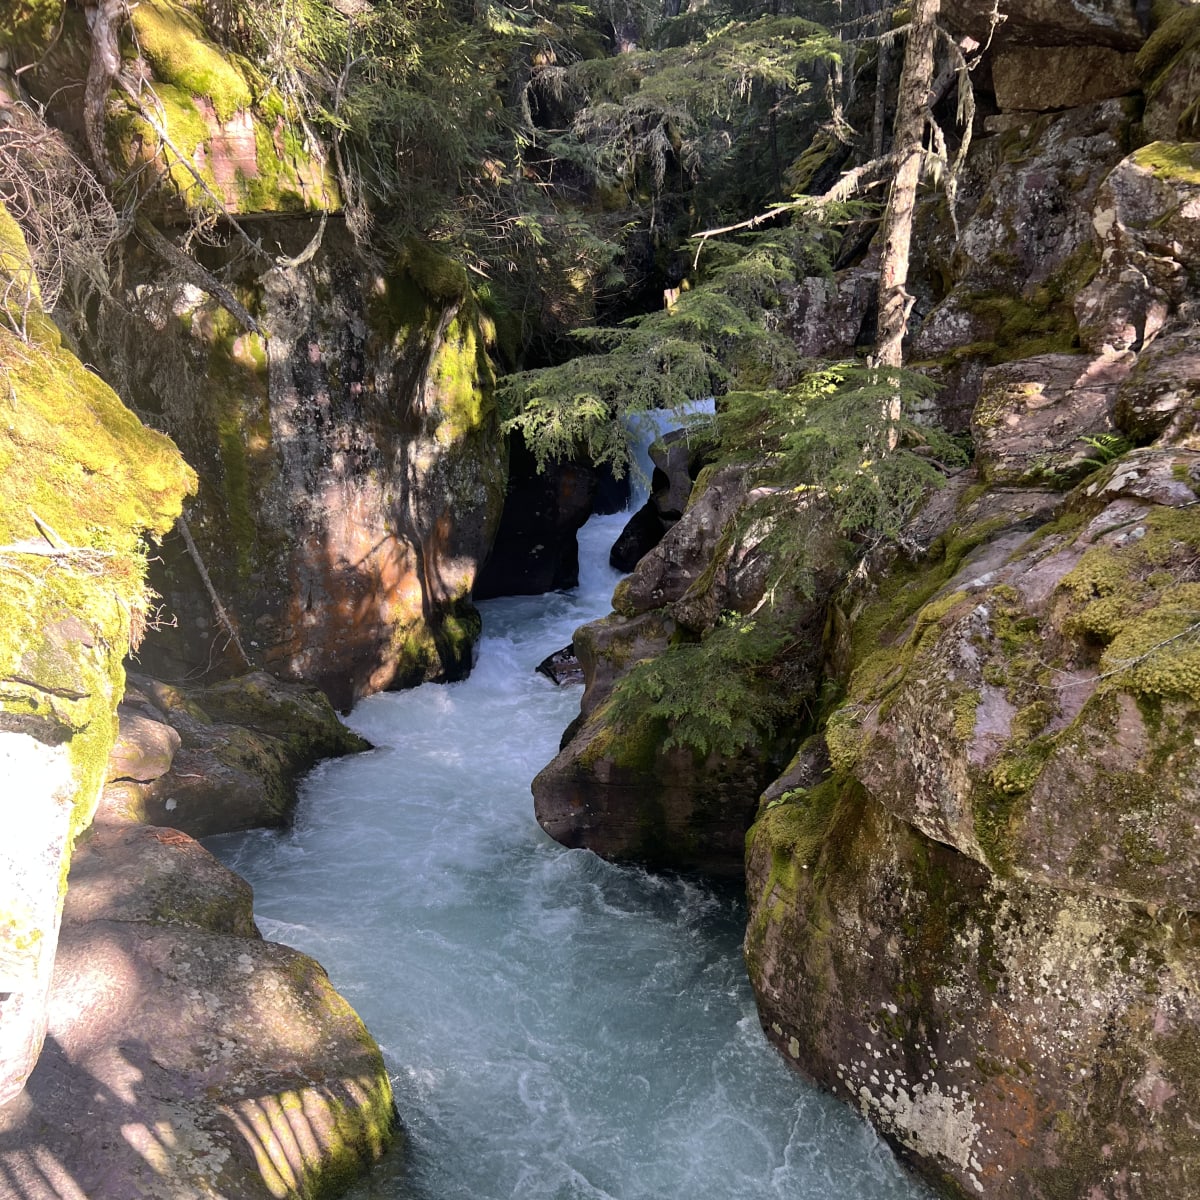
column 716, row 696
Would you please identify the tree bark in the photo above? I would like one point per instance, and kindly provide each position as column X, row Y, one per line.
column 895, row 304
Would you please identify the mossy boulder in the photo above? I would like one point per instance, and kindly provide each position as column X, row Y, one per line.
column 218, row 1064
column 1021, row 714
column 1012, row 1040
column 243, row 744
column 82, row 484
column 689, row 693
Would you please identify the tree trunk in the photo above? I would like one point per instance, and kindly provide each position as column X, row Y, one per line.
column 895, row 304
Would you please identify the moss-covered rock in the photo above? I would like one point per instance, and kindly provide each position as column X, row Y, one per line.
column 691, row 696
column 351, row 474
column 1018, row 713
column 243, row 745
column 1014, row 1040
column 82, row 483
column 214, row 129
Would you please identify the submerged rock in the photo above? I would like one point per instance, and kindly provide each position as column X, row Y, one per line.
column 561, row 667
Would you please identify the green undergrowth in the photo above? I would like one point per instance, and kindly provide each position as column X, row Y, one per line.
column 718, row 695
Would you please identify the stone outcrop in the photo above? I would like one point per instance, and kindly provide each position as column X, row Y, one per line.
column 1112, row 23
column 962, row 928
column 625, row 784
column 82, row 481
column 221, row 758
column 212, row 1063
column 678, row 457
column 350, row 473
column 1040, row 420
column 350, row 462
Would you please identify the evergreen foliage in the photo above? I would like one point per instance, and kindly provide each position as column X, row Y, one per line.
column 718, row 695
column 717, row 335
column 818, row 459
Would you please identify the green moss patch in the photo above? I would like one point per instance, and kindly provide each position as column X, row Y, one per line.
column 1129, row 599
column 175, row 44
column 1177, row 161
column 1176, row 33
column 29, row 25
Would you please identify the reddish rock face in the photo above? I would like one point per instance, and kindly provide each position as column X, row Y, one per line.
column 351, row 478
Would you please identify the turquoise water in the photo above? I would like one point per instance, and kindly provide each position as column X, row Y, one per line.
column 556, row 1027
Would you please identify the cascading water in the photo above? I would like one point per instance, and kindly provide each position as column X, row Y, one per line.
column 556, row 1027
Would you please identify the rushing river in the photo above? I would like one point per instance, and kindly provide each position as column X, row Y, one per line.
column 556, row 1027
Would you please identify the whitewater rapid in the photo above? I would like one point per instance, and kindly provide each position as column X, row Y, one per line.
column 556, row 1027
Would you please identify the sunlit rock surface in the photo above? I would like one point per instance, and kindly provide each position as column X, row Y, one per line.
column 185, row 1056
column 82, row 482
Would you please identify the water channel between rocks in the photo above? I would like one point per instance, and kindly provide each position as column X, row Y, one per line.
column 556, row 1027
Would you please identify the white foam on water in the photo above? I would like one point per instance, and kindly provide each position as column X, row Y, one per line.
column 556, row 1027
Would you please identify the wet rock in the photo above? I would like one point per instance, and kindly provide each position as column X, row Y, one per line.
column 243, row 744
column 1034, row 416
column 678, row 457
column 561, row 667
column 665, row 808
column 643, row 531
column 607, row 647
column 535, row 549
column 666, row 573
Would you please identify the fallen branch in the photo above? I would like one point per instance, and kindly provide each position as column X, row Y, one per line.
column 206, row 579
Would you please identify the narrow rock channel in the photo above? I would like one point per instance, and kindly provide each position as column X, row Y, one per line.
column 556, row 1026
